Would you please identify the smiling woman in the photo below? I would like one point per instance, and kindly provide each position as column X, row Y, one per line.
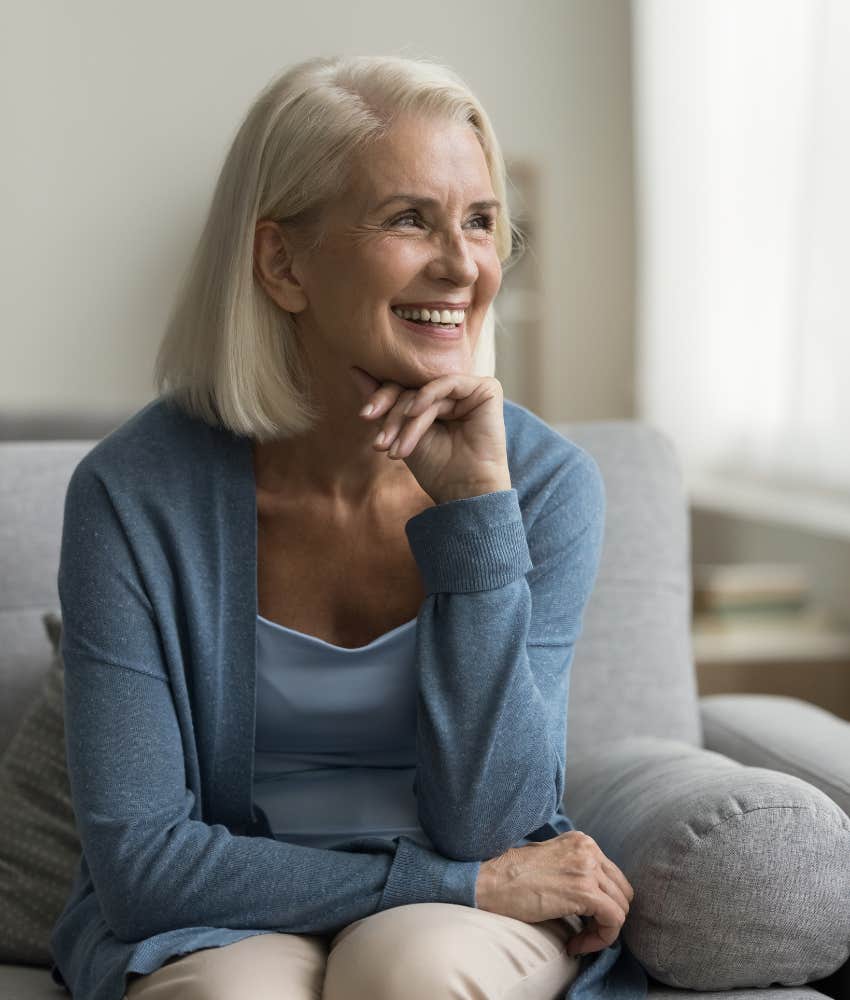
column 378, row 252
column 317, row 677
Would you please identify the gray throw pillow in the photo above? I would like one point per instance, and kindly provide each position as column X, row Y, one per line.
column 741, row 874
column 39, row 846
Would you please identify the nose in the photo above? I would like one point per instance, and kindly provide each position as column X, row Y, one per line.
column 454, row 260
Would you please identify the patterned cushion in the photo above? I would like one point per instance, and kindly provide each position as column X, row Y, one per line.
column 39, row 845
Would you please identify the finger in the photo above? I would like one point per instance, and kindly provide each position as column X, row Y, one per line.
column 415, row 429
column 613, row 889
column 468, row 392
column 611, row 869
column 595, row 936
column 606, row 920
column 367, row 383
column 382, row 400
column 394, row 419
column 584, row 943
column 616, row 873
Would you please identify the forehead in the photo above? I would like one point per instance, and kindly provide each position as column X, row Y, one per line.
column 423, row 156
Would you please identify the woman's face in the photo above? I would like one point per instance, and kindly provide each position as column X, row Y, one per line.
column 411, row 231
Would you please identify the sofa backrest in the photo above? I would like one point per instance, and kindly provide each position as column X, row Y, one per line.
column 633, row 671
column 33, row 478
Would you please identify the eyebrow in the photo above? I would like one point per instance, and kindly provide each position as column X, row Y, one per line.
column 430, row 202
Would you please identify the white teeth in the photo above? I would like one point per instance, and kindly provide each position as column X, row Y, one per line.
column 444, row 316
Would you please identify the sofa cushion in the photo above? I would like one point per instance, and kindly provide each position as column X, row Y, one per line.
column 740, row 874
column 39, row 845
column 782, row 733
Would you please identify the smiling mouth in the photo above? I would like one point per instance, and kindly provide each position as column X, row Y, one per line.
column 442, row 319
column 437, row 331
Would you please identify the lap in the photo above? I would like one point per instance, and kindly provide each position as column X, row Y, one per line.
column 422, row 950
column 263, row 967
column 425, row 951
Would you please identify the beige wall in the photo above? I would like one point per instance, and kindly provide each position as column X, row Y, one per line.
column 117, row 117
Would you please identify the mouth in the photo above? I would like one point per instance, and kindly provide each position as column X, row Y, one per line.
column 430, row 322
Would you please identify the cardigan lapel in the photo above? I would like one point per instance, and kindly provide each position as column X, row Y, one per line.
column 233, row 593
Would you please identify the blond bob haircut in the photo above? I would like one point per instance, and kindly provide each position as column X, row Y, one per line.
column 229, row 353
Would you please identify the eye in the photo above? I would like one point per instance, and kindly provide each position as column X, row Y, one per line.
column 489, row 222
column 407, row 215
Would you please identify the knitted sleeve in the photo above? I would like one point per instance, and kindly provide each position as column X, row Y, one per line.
column 495, row 644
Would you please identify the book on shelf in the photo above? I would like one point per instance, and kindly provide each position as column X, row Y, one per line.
column 809, row 620
column 767, row 589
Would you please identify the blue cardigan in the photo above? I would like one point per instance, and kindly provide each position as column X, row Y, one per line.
column 158, row 590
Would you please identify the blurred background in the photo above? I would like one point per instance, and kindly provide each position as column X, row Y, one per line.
column 680, row 170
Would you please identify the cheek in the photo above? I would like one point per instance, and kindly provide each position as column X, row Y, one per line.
column 490, row 274
column 390, row 263
column 400, row 254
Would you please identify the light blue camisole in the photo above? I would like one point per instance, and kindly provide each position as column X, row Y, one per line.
column 335, row 747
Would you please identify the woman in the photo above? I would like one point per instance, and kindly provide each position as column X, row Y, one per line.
column 317, row 675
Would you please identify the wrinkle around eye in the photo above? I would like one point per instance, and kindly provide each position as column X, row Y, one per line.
column 366, row 233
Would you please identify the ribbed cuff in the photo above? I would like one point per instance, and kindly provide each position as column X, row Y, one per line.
column 418, row 875
column 475, row 543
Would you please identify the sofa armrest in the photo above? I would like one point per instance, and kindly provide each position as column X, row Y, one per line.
column 785, row 734
column 740, row 873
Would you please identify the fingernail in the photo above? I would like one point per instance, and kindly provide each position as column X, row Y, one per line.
column 380, row 438
column 406, row 410
column 367, row 409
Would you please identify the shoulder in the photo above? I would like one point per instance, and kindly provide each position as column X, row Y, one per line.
column 159, row 451
column 549, row 471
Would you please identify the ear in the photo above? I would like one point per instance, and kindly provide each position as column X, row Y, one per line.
column 274, row 267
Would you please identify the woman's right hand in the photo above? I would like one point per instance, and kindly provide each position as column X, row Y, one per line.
column 566, row 875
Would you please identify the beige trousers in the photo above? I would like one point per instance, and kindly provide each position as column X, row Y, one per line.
column 422, row 951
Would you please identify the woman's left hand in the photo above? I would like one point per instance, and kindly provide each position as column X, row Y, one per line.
column 452, row 438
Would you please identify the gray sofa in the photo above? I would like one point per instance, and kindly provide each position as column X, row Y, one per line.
column 728, row 814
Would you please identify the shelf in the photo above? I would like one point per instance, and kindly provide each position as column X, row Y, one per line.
column 820, row 511
column 811, row 637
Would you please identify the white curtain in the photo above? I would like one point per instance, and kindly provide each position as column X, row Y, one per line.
column 742, row 133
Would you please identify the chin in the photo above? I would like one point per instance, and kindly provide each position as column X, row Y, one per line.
column 415, row 370
column 428, row 371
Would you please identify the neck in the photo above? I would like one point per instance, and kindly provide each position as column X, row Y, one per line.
column 335, row 462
